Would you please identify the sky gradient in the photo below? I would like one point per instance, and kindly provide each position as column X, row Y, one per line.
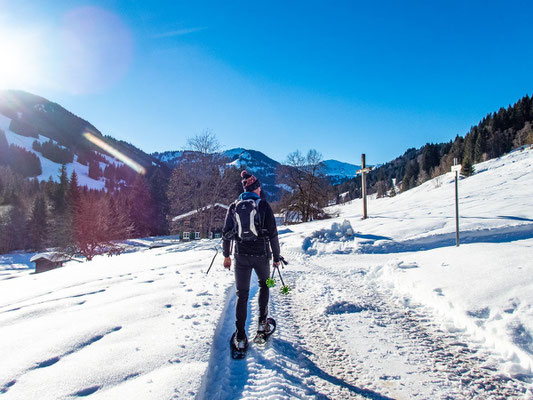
column 341, row 77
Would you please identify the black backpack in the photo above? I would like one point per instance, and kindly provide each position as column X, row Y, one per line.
column 247, row 224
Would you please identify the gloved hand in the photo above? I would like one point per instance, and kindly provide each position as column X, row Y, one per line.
column 227, row 262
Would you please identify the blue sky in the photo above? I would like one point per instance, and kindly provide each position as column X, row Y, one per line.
column 341, row 77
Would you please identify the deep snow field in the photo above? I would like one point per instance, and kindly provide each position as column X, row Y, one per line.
column 380, row 308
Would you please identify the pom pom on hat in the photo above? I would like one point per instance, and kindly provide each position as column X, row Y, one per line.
column 249, row 182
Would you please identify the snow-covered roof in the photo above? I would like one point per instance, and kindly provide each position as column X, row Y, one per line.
column 50, row 256
column 188, row 214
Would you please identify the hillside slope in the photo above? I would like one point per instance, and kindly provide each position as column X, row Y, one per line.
column 26, row 118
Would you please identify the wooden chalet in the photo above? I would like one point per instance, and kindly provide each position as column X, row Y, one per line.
column 205, row 223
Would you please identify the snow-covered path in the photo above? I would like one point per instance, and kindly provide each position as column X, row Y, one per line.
column 282, row 369
column 339, row 339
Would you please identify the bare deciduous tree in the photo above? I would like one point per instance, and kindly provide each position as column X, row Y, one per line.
column 202, row 178
column 204, row 143
column 305, row 174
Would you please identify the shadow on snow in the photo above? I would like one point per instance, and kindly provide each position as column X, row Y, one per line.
column 496, row 235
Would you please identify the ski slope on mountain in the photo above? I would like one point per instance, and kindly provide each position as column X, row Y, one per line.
column 382, row 308
column 52, row 169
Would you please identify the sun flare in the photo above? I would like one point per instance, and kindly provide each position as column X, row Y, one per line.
column 18, row 66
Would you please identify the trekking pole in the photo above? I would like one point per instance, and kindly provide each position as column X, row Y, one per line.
column 271, row 282
column 215, row 256
column 279, row 273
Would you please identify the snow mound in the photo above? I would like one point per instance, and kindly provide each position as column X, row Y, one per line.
column 337, row 239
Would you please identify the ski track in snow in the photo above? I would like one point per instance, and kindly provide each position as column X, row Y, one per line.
column 307, row 357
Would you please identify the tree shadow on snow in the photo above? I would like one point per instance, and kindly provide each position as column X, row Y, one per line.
column 496, row 235
column 375, row 238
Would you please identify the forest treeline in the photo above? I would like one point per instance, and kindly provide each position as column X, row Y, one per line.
column 37, row 215
column 64, row 215
column 495, row 135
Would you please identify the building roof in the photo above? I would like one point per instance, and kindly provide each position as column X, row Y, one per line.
column 51, row 256
column 190, row 213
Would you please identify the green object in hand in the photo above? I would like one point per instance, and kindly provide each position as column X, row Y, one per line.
column 270, row 282
column 285, row 289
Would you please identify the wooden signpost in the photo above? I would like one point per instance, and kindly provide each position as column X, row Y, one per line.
column 457, row 169
column 363, row 171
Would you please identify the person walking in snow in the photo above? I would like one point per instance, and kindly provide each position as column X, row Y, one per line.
column 250, row 222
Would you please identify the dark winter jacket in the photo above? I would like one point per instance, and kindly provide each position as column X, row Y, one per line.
column 269, row 232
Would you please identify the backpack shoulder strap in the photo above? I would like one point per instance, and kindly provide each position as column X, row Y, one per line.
column 262, row 217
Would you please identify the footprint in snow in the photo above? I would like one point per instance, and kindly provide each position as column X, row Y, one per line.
column 481, row 313
column 343, row 307
column 407, row 266
column 6, row 387
column 87, row 392
column 47, row 363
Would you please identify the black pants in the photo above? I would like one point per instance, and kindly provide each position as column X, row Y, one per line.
column 243, row 271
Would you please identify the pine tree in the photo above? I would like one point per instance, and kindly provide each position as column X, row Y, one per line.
column 4, row 148
column 467, row 167
column 95, row 172
column 158, row 186
column 61, row 234
column 381, row 185
column 479, row 147
column 15, row 228
column 73, row 192
column 38, row 224
column 142, row 211
column 468, row 150
column 59, row 196
column 120, row 226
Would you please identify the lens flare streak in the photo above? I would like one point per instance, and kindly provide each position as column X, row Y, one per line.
column 115, row 153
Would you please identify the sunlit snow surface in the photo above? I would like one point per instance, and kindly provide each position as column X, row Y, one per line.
column 382, row 308
column 129, row 326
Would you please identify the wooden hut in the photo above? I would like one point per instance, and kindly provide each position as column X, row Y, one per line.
column 48, row 261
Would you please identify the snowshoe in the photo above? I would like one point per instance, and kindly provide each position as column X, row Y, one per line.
column 264, row 332
column 238, row 349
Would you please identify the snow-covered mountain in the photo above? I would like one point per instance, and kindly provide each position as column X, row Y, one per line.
column 51, row 169
column 339, row 171
column 382, row 308
column 35, row 124
column 265, row 168
column 262, row 166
